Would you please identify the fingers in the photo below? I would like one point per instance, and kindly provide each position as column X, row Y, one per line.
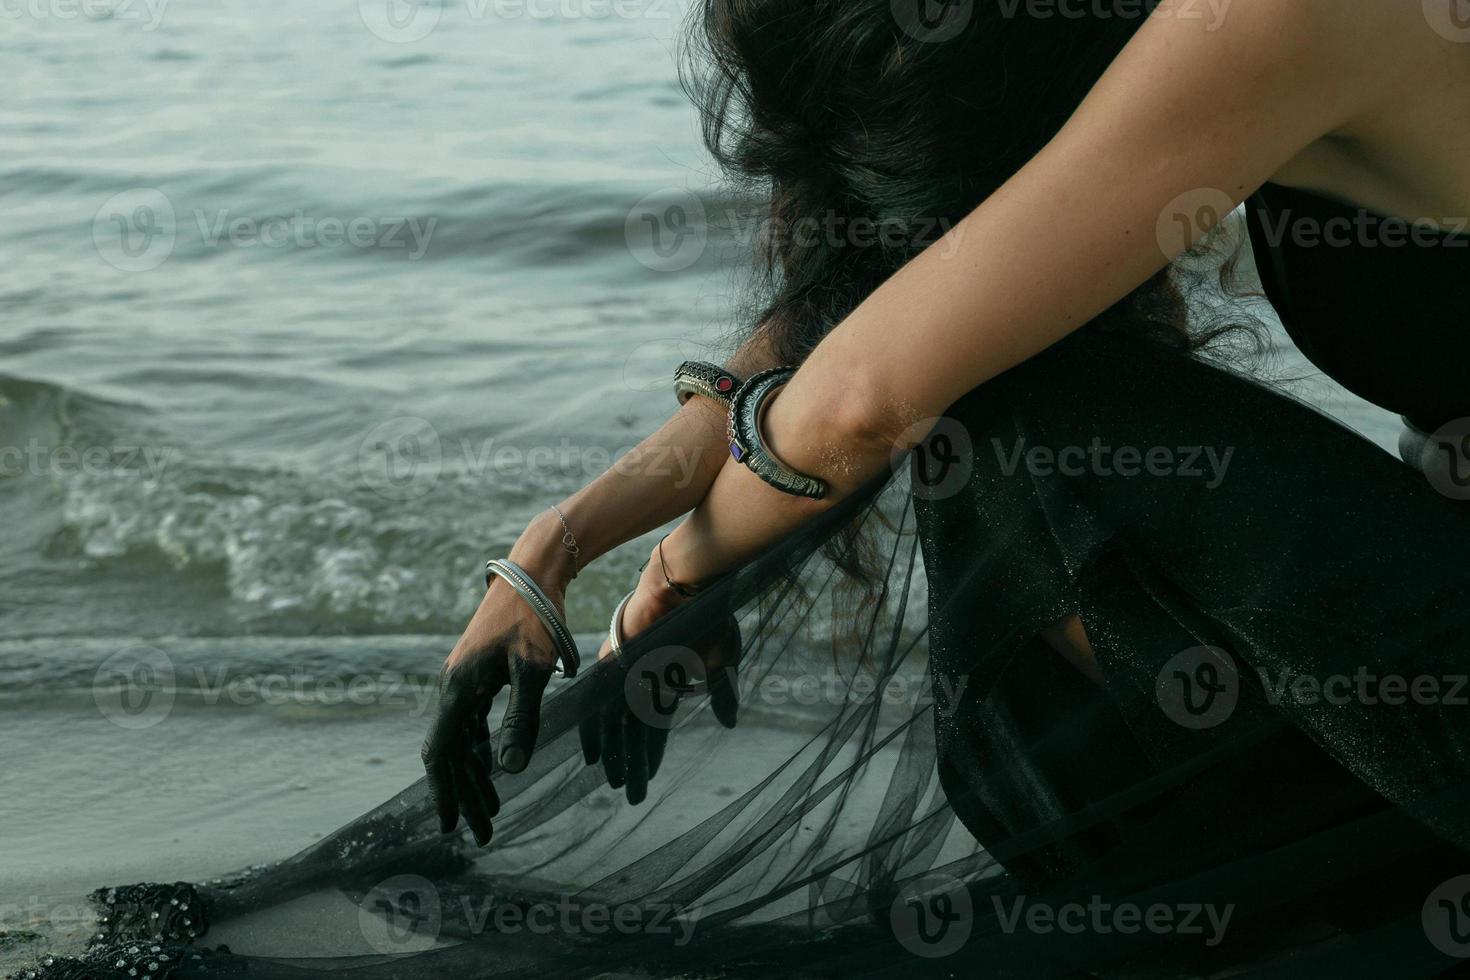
column 458, row 779
column 635, row 754
column 441, row 788
column 479, row 769
column 724, row 695
column 472, row 804
column 590, row 731
column 612, row 727
column 522, row 722
column 658, row 739
column 439, row 749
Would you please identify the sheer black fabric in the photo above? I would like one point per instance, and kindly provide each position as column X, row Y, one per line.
column 951, row 795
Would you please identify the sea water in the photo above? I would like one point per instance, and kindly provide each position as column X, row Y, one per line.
column 306, row 309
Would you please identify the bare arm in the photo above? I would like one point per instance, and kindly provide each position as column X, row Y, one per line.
column 506, row 646
column 664, row 476
column 1183, row 109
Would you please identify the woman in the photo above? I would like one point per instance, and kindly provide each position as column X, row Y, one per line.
column 1067, row 161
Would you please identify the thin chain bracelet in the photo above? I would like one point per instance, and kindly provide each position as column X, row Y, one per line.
column 569, row 541
column 682, row 590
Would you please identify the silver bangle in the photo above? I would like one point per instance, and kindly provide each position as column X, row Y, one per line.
column 615, row 627
column 567, row 658
column 703, row 378
column 749, row 449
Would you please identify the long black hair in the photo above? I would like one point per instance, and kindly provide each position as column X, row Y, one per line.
column 867, row 132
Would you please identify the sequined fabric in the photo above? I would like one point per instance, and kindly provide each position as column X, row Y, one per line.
column 135, row 961
column 145, row 932
column 158, row 912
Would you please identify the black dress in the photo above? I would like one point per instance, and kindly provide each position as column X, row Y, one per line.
column 1262, row 587
column 1251, row 575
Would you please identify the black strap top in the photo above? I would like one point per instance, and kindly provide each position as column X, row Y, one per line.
column 1379, row 304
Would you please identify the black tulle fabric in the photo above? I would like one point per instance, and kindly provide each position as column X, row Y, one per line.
column 1003, row 768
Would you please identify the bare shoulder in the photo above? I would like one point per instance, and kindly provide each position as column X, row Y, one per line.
column 1360, row 43
column 1397, row 78
column 1369, row 100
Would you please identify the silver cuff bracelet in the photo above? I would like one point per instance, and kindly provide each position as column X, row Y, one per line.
column 703, row 378
column 749, row 449
column 567, row 658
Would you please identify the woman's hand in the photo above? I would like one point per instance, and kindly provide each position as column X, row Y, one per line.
column 629, row 734
column 505, row 645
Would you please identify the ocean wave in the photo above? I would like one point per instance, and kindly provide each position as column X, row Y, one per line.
column 270, row 213
column 43, row 412
column 289, row 549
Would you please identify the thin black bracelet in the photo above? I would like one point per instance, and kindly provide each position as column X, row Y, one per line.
column 749, row 449
column 685, row 591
